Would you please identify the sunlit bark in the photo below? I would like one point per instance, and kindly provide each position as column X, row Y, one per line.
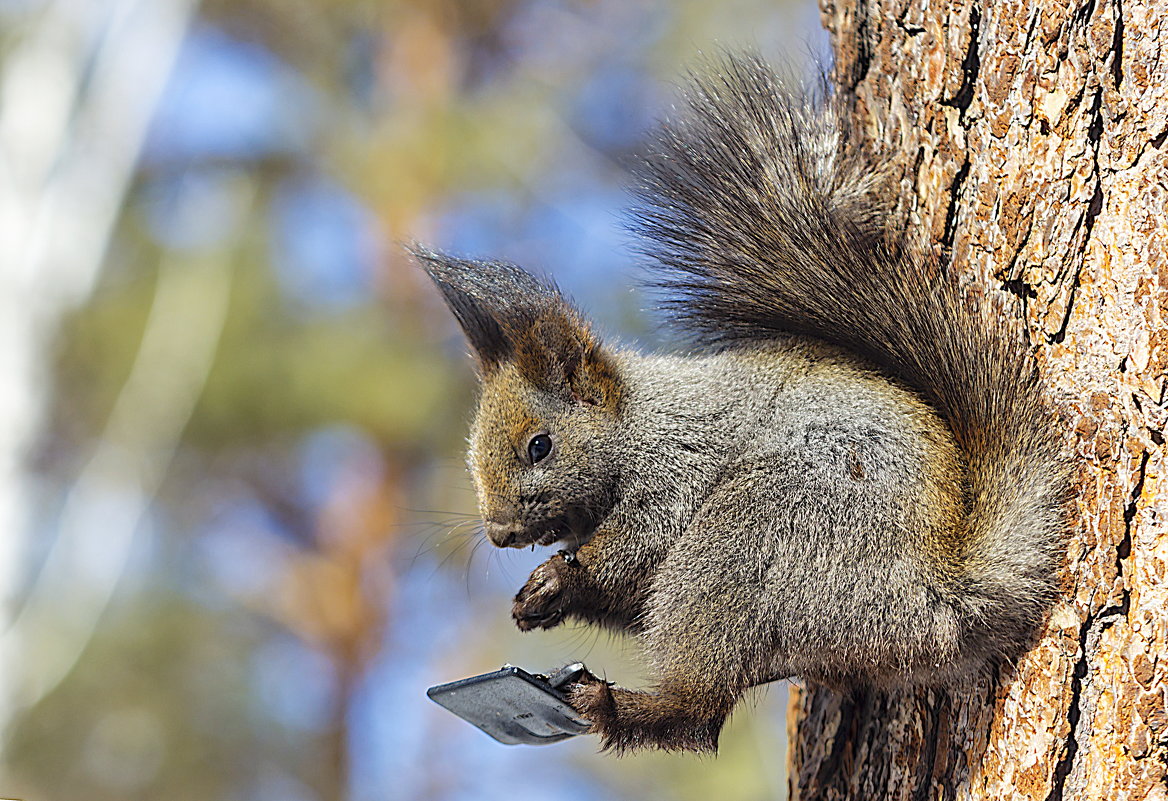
column 1031, row 140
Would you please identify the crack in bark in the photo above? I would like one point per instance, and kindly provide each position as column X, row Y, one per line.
column 1156, row 142
column 1083, row 13
column 970, row 67
column 1123, row 550
column 864, row 47
column 1095, row 131
column 911, row 30
column 1094, row 208
column 1067, row 760
column 1104, row 619
column 1034, row 14
column 1087, row 222
column 954, row 205
column 1021, row 289
column 1017, row 285
column 1117, row 45
column 961, row 100
column 927, row 766
column 829, row 766
column 1061, row 334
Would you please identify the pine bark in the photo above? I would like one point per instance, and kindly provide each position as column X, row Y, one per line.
column 1032, row 153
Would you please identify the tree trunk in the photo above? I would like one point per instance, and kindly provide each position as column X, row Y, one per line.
column 1031, row 149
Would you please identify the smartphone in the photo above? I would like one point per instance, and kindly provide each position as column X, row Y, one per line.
column 514, row 706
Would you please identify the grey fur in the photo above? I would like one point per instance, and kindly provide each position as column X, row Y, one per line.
column 855, row 482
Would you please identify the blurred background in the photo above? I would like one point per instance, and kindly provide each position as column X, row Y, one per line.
column 237, row 541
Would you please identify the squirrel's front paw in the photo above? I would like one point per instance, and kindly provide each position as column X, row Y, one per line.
column 629, row 720
column 541, row 603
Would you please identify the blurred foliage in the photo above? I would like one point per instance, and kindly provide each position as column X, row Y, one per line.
column 292, row 596
column 161, row 707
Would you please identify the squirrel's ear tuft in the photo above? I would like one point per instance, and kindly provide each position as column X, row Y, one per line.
column 492, row 301
column 509, row 315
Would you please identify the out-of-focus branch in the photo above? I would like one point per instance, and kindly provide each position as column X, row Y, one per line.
column 109, row 500
column 77, row 93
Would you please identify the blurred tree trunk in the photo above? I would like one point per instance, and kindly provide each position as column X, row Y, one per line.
column 79, row 82
column 1032, row 153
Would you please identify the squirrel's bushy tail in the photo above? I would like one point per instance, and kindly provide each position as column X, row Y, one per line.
column 766, row 219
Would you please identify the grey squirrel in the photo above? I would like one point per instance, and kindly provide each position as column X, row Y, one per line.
column 851, row 478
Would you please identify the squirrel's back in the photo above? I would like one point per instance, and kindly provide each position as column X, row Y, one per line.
column 766, row 219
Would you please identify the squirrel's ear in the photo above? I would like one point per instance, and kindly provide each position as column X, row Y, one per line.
column 560, row 354
column 511, row 316
column 491, row 301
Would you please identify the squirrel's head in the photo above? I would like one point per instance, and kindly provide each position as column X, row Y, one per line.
column 542, row 446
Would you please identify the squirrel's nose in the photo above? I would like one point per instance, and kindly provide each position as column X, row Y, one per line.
column 503, row 535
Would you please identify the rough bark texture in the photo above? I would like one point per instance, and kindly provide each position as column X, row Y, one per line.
column 1033, row 153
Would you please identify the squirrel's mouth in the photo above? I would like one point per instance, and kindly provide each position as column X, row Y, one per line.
column 571, row 529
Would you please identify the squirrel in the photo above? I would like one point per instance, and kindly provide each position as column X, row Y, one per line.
column 850, row 478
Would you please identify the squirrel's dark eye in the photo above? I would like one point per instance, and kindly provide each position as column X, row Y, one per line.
column 539, row 447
